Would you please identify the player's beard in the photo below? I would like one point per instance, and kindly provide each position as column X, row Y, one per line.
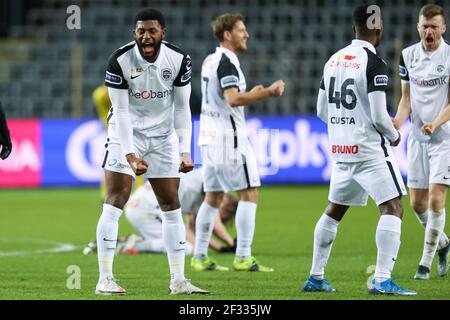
column 156, row 48
column 241, row 46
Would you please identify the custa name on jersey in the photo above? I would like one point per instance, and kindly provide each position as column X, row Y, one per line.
column 342, row 120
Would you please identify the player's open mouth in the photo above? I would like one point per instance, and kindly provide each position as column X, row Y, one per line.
column 148, row 48
column 429, row 40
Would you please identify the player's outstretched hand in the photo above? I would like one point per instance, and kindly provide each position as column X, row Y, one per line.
column 138, row 165
column 396, row 142
column 276, row 89
column 186, row 164
column 428, row 129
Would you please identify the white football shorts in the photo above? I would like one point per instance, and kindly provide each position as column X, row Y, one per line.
column 428, row 162
column 229, row 169
column 161, row 153
column 353, row 182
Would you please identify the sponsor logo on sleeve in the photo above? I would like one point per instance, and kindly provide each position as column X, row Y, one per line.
column 113, row 78
column 187, row 76
column 403, row 71
column 380, row 80
column 229, row 81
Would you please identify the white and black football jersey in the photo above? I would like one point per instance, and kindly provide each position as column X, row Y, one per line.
column 150, row 85
column 220, row 124
column 349, row 76
column 428, row 75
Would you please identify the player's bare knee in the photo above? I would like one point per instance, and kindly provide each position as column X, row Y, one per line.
column 336, row 211
column 117, row 200
column 419, row 200
column 392, row 207
column 169, row 204
column 250, row 195
column 436, row 203
column 214, row 199
column 419, row 207
column 117, row 195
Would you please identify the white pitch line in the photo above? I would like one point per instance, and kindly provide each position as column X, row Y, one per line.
column 59, row 247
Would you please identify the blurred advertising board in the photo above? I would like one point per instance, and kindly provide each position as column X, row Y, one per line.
column 60, row 153
column 23, row 167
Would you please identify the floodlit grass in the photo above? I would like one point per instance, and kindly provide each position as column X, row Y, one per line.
column 33, row 221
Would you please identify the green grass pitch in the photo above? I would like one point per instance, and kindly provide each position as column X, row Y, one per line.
column 35, row 222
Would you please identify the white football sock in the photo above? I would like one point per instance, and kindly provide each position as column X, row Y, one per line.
column 388, row 243
column 245, row 228
column 107, row 231
column 324, row 235
column 423, row 218
column 189, row 250
column 433, row 231
column 204, row 225
column 174, row 235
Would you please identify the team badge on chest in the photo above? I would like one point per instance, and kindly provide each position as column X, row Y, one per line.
column 166, row 74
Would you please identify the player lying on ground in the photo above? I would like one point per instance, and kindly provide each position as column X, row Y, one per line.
column 144, row 214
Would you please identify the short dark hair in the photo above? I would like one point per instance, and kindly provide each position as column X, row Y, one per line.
column 225, row 22
column 360, row 18
column 431, row 10
column 150, row 14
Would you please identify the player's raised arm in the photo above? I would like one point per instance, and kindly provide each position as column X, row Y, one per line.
column 235, row 98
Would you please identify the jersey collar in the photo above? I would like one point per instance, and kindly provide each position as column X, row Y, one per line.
column 424, row 55
column 365, row 44
column 229, row 53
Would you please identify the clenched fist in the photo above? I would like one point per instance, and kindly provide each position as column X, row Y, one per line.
column 138, row 165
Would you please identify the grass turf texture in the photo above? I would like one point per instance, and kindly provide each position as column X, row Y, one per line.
column 286, row 218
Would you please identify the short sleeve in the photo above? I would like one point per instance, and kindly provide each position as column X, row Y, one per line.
column 184, row 76
column 227, row 74
column 377, row 73
column 404, row 74
column 114, row 75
